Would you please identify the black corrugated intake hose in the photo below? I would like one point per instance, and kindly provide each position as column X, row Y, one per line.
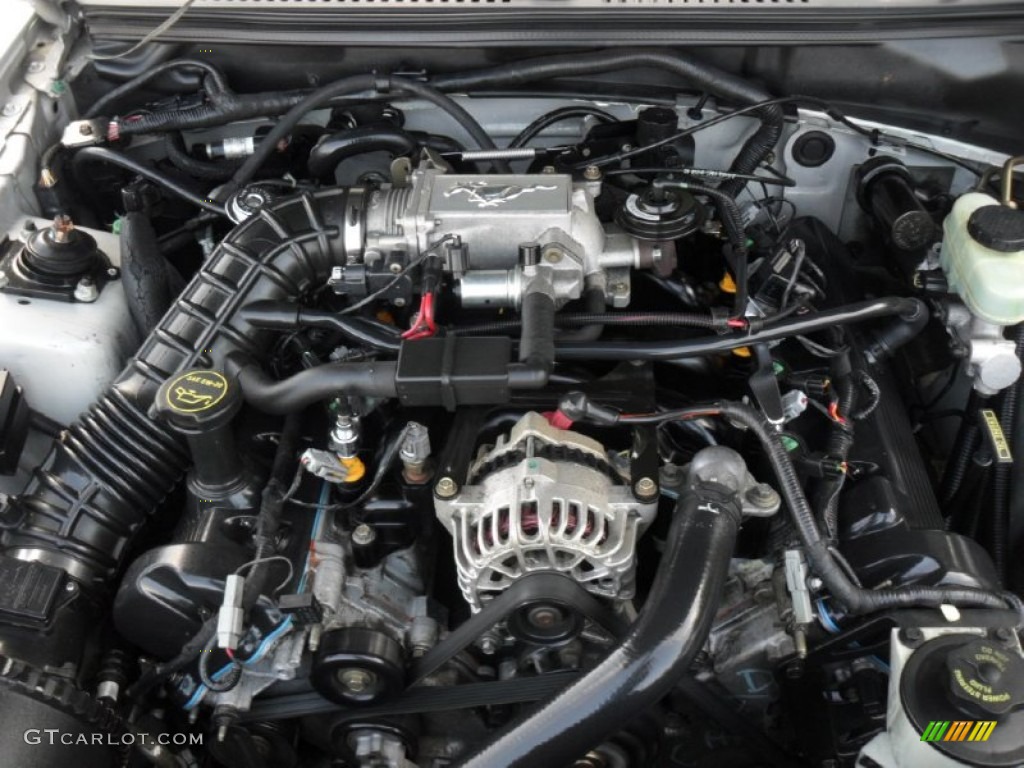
column 648, row 662
column 1002, row 476
column 907, row 311
column 103, row 478
column 696, row 74
column 332, row 149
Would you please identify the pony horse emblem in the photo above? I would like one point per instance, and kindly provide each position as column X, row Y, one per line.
column 484, row 195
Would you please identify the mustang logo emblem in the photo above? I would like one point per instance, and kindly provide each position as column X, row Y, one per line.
column 484, row 196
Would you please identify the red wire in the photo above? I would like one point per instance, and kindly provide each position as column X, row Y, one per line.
column 423, row 325
column 230, row 653
column 833, row 411
column 736, row 322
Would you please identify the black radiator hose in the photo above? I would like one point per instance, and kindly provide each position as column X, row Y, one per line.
column 108, row 472
column 145, row 274
column 330, row 150
column 650, row 660
column 699, row 75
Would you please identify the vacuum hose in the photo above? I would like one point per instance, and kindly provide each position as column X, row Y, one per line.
column 654, row 655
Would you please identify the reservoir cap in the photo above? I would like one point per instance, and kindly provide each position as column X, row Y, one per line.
column 998, row 227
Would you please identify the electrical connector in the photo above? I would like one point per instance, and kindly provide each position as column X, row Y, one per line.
column 230, row 618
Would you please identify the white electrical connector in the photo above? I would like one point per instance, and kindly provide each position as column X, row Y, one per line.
column 231, row 615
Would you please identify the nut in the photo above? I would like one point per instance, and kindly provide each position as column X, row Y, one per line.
column 356, row 680
column 645, row 487
column 446, row 488
column 592, row 173
column 363, row 535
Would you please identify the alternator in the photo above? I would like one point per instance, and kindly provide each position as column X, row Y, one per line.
column 544, row 499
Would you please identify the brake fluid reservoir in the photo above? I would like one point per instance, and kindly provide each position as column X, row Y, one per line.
column 983, row 257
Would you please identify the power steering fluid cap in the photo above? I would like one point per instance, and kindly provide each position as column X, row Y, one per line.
column 962, row 685
column 986, row 679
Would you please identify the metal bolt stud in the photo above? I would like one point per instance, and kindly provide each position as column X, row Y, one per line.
column 645, row 487
column 356, row 680
column 36, row 66
column 446, row 488
column 763, row 495
column 592, row 173
column 363, row 535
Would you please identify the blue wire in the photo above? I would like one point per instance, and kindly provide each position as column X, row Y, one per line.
column 826, row 619
column 324, row 493
column 281, row 628
column 258, row 654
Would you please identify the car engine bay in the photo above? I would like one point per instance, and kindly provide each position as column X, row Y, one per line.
column 417, row 414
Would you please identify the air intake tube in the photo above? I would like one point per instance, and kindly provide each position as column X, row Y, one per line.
column 109, row 471
column 661, row 645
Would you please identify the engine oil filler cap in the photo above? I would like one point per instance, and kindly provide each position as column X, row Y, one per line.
column 198, row 400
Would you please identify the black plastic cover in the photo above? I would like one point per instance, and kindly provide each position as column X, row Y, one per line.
column 28, row 590
column 14, row 420
column 453, row 371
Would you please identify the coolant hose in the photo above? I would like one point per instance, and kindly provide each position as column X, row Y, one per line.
column 656, row 653
column 331, row 150
column 145, row 274
column 910, row 311
column 698, row 75
column 108, row 472
column 313, row 384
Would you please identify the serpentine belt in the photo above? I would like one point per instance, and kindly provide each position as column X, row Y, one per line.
column 552, row 588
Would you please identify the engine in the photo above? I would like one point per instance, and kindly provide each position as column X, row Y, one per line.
column 378, row 424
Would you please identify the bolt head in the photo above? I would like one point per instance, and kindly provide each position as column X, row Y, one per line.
column 395, row 268
column 592, row 173
column 363, row 534
column 85, row 129
column 10, row 109
column 356, row 680
column 620, row 289
column 446, row 488
column 36, row 66
column 399, row 302
column 645, row 487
